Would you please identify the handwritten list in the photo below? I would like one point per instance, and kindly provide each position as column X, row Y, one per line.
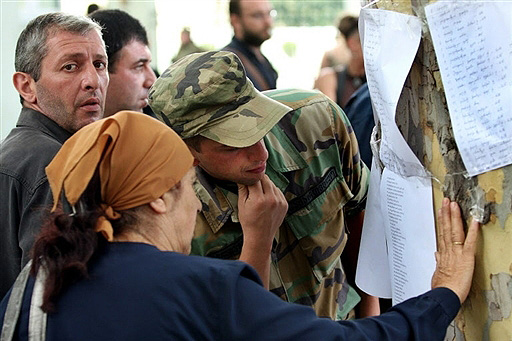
column 473, row 44
column 387, row 65
column 395, row 215
column 410, row 234
column 398, row 239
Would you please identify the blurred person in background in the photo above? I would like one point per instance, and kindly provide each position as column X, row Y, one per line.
column 359, row 111
column 129, row 61
column 187, row 45
column 115, row 267
column 92, row 7
column 252, row 24
column 339, row 55
column 339, row 83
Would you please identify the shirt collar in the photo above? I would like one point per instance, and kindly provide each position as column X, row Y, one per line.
column 35, row 119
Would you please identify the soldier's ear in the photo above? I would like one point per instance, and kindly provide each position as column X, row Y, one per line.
column 26, row 86
column 194, row 154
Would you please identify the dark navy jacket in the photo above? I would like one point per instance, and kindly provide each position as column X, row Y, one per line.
column 360, row 114
column 136, row 292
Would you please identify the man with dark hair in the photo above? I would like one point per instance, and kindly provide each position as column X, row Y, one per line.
column 61, row 76
column 252, row 23
column 92, row 7
column 129, row 61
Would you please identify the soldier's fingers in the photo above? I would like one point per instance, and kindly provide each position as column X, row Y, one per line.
column 272, row 187
column 255, row 189
column 243, row 192
column 280, row 194
column 267, row 184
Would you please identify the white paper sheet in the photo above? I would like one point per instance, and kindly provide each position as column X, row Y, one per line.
column 473, row 45
column 373, row 275
column 410, row 233
column 390, row 42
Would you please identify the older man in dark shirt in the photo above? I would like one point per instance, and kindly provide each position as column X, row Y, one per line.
column 61, row 76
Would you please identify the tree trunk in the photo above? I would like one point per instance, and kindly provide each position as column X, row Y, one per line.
column 422, row 117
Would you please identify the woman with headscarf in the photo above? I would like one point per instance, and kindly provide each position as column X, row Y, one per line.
column 115, row 267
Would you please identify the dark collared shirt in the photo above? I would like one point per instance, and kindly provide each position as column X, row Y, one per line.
column 261, row 73
column 25, row 192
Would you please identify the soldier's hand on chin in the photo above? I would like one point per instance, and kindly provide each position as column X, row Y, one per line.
column 261, row 210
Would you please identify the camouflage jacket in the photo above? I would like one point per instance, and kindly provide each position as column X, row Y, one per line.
column 314, row 160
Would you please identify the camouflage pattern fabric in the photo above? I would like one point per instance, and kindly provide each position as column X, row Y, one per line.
column 209, row 94
column 314, row 160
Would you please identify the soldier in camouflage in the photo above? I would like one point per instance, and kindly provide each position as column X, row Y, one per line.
column 247, row 143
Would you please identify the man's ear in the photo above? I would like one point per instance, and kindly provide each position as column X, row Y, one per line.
column 234, row 19
column 194, row 153
column 26, row 86
column 158, row 205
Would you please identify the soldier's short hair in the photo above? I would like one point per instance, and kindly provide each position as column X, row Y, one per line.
column 195, row 142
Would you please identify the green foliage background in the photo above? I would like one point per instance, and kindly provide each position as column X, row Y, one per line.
column 307, row 12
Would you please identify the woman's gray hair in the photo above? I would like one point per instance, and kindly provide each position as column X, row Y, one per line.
column 31, row 47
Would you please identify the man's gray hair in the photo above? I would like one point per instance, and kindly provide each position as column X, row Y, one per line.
column 31, row 47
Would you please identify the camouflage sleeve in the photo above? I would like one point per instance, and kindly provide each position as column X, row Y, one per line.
column 355, row 172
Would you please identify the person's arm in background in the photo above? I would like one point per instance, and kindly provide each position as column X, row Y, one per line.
column 356, row 176
column 261, row 210
column 327, row 82
column 369, row 305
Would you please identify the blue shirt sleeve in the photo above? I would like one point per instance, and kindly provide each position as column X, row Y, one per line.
column 248, row 311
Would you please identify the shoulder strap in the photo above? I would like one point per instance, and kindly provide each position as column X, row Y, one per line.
column 341, row 78
column 37, row 318
column 12, row 312
column 255, row 73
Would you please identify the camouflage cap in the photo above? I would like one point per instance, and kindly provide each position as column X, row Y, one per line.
column 208, row 94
